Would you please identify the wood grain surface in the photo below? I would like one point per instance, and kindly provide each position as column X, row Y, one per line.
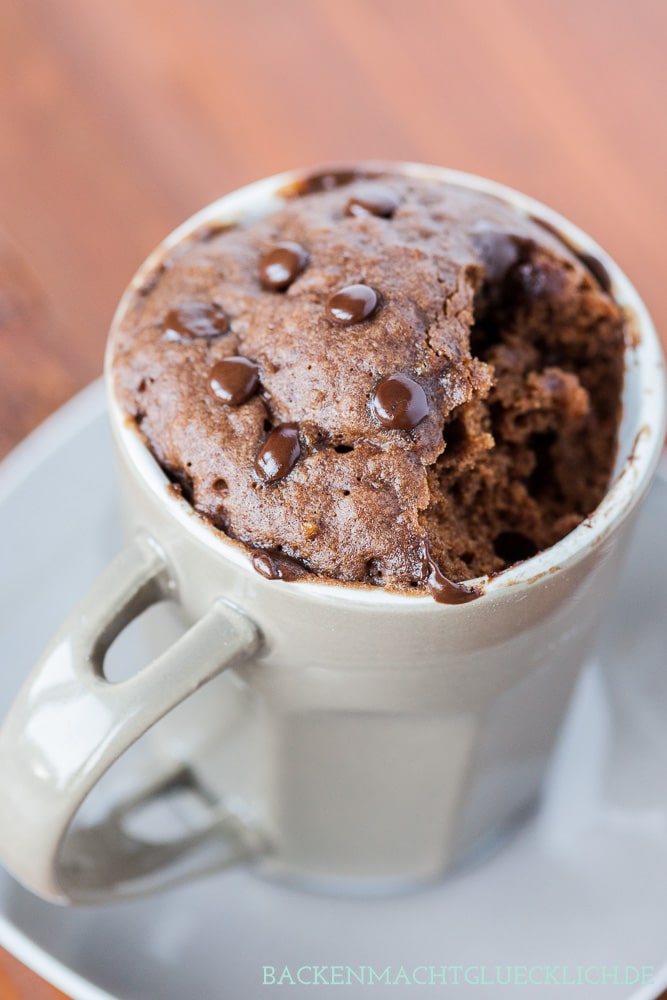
column 117, row 120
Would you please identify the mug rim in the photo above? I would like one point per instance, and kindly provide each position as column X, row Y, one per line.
column 643, row 370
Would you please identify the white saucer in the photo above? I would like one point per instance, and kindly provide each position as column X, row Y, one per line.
column 583, row 884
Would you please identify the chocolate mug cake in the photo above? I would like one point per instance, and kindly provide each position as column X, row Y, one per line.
column 387, row 380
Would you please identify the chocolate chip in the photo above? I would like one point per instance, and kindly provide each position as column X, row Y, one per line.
column 281, row 265
column 151, row 281
column 234, row 380
column 535, row 280
column 318, row 182
column 279, row 453
column 399, row 402
column 499, row 251
column 196, row 319
column 274, row 565
column 442, row 589
column 352, row 304
column 373, row 199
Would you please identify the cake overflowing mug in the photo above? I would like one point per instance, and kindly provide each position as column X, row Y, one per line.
column 346, row 736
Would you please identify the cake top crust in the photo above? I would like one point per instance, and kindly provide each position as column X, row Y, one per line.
column 379, row 382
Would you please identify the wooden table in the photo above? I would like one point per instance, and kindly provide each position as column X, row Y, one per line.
column 117, row 120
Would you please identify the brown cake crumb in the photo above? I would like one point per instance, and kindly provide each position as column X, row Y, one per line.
column 383, row 381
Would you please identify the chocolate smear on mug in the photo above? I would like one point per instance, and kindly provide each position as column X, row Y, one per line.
column 352, row 304
column 598, row 270
column 152, row 279
column 442, row 589
column 279, row 453
column 273, row 565
column 592, row 263
column 234, row 380
column 327, row 181
column 211, row 230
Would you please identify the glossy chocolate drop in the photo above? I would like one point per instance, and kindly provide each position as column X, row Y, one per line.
column 234, row 380
column 535, row 280
column 274, row 565
column 281, row 265
column 318, row 182
column 196, row 319
column 352, row 304
column 372, row 199
column 279, row 453
column 442, row 589
column 499, row 251
column 399, row 402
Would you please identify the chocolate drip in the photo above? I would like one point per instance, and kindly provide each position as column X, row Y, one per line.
column 442, row 589
column 274, row 565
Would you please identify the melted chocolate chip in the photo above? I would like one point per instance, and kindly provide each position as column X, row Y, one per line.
column 281, row 265
column 211, row 230
column 234, row 380
column 499, row 251
column 373, row 199
column 352, row 304
column 152, row 280
column 195, row 319
column 276, row 566
column 442, row 589
column 399, row 402
column 318, row 182
column 279, row 453
column 535, row 280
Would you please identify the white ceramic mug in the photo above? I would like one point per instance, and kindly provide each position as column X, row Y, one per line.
column 356, row 735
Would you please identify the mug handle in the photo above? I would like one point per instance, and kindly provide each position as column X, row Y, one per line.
column 69, row 724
